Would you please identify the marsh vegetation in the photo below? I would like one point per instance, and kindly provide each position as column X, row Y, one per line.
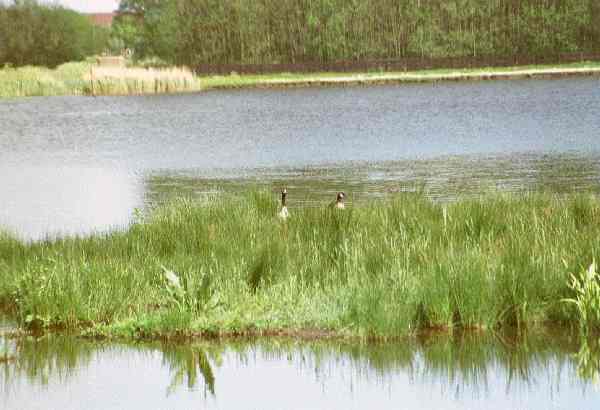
column 385, row 269
column 89, row 79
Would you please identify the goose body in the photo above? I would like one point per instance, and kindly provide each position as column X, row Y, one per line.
column 339, row 201
column 283, row 212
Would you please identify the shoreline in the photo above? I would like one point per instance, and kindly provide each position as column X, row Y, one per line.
column 107, row 333
column 73, row 79
column 365, row 79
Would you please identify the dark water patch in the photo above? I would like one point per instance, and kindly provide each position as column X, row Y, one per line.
column 445, row 178
column 534, row 371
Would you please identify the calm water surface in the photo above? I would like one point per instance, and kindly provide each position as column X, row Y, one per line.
column 78, row 164
column 460, row 372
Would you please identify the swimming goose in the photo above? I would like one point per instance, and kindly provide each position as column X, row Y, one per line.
column 283, row 213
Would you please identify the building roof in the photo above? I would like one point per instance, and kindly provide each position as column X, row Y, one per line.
column 102, row 19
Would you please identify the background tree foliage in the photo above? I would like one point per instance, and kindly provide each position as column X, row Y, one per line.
column 193, row 32
column 34, row 34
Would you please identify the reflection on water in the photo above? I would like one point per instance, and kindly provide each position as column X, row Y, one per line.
column 49, row 201
column 588, row 360
column 536, row 371
column 191, row 366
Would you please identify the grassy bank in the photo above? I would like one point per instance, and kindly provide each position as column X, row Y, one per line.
column 435, row 75
column 87, row 79
column 387, row 269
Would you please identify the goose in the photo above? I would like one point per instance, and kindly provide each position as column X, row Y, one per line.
column 339, row 201
column 283, row 213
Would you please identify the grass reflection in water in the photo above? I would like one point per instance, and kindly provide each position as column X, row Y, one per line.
column 468, row 361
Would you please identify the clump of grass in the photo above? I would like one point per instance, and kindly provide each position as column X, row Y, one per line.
column 381, row 270
column 587, row 297
column 189, row 292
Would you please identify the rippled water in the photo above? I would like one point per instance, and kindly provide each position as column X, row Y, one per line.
column 78, row 164
column 460, row 372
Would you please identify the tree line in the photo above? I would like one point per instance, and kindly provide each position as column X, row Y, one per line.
column 195, row 32
column 46, row 35
column 201, row 32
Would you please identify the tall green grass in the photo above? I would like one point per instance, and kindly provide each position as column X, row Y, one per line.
column 66, row 79
column 386, row 269
column 587, row 297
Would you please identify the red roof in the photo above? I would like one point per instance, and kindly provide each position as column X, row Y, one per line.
column 102, row 19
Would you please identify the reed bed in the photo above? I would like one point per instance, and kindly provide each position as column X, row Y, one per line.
column 228, row 265
column 88, row 79
column 28, row 81
column 127, row 81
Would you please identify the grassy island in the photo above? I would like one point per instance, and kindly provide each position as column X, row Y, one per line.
column 228, row 266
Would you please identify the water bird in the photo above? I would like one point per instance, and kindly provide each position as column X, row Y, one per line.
column 283, row 213
column 339, row 201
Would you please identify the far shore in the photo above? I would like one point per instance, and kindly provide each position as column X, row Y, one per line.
column 341, row 79
column 86, row 79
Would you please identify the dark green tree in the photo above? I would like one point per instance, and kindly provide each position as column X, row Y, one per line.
column 195, row 32
column 36, row 34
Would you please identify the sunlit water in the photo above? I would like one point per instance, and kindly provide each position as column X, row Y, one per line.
column 72, row 165
column 461, row 372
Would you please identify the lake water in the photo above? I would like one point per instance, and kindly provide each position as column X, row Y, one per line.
column 439, row 372
column 73, row 165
